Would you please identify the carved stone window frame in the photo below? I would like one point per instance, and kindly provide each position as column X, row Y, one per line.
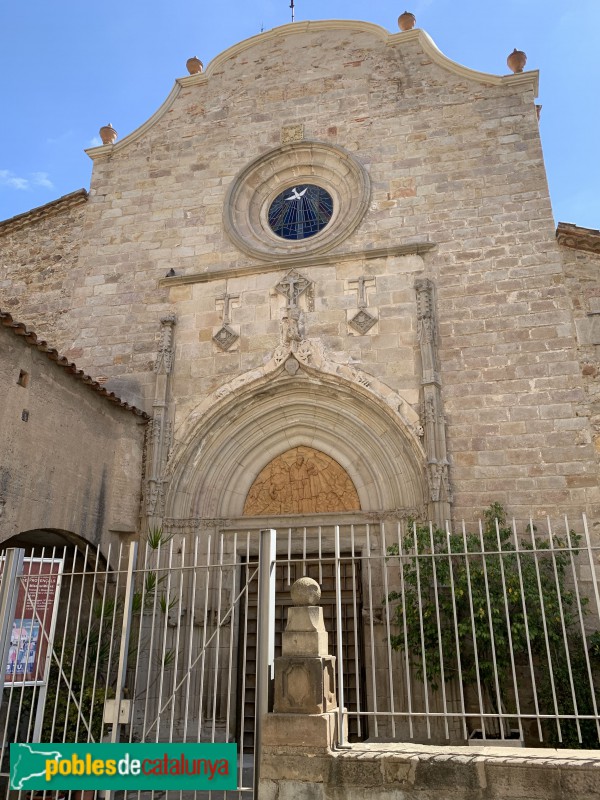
column 245, row 215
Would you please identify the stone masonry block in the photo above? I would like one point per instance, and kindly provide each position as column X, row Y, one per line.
column 304, row 685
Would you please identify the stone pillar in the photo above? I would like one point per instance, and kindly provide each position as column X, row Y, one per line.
column 302, row 730
column 432, row 415
column 159, row 429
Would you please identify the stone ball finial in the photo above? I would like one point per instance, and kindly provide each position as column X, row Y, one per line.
column 516, row 60
column 305, row 592
column 406, row 21
column 194, row 65
column 108, row 134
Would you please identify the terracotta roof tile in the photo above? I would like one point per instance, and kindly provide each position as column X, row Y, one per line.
column 53, row 207
column 19, row 329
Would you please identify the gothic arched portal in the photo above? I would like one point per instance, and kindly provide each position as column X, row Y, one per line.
column 240, row 433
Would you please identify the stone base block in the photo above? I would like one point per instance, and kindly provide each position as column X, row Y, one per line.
column 304, row 685
column 317, row 731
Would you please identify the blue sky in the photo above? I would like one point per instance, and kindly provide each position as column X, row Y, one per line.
column 68, row 67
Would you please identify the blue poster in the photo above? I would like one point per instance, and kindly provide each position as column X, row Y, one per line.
column 23, row 648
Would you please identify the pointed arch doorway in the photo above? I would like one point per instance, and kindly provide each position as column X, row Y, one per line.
column 307, row 482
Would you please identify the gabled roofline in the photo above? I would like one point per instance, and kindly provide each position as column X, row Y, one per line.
column 390, row 39
column 31, row 338
column 577, row 238
column 53, row 207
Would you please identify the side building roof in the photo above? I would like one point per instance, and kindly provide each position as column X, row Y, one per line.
column 33, row 215
column 578, row 238
column 19, row 329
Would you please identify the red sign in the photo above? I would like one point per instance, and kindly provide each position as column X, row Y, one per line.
column 33, row 623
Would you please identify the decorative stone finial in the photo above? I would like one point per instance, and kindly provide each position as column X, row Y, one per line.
column 305, row 592
column 406, row 21
column 194, row 65
column 108, row 134
column 516, row 60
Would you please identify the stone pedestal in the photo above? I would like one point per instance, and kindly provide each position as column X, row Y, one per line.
column 298, row 738
column 305, row 674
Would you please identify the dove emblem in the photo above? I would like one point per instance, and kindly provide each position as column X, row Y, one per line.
column 296, row 195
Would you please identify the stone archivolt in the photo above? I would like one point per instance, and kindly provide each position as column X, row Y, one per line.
column 301, row 481
column 331, row 406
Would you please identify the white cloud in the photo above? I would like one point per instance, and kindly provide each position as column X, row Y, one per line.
column 95, row 141
column 42, row 179
column 8, row 178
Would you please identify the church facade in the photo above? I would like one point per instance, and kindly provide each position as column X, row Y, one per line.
column 324, row 278
column 327, row 269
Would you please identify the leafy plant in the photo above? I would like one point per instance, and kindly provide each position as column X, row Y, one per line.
column 477, row 608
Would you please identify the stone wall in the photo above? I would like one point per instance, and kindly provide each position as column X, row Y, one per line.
column 419, row 772
column 71, row 459
column 38, row 257
column 581, row 259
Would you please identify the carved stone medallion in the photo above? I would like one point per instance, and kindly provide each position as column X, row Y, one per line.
column 225, row 337
column 301, row 481
column 363, row 321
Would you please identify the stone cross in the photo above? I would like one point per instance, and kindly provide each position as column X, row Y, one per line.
column 361, row 283
column 291, row 284
column 226, row 306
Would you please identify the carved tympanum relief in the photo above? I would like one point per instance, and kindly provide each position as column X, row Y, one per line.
column 301, row 481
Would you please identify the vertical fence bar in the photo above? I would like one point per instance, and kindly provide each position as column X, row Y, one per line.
column 559, row 597
column 177, row 640
column 371, row 631
column 525, row 614
column 40, row 704
column 340, row 658
column 388, row 629
column 590, row 555
column 9, row 585
column 421, row 629
column 356, row 642
column 190, row 637
column 456, row 631
column 473, row 630
column 165, row 607
column 217, row 647
column 407, row 666
column 265, row 639
column 231, row 632
column 203, row 646
column 86, row 671
column 24, row 583
column 499, row 701
column 488, row 601
column 536, row 562
column 242, row 700
column 439, row 629
column 124, row 646
column 578, row 600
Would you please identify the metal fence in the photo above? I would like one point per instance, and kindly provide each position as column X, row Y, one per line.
column 488, row 634
column 148, row 647
column 440, row 636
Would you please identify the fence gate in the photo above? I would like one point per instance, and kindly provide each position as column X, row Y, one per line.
column 141, row 647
